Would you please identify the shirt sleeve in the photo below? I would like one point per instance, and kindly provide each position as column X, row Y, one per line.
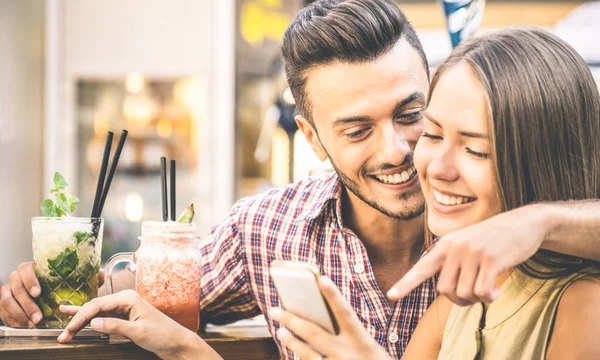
column 225, row 294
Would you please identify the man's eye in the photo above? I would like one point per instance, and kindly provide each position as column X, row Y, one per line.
column 357, row 134
column 411, row 117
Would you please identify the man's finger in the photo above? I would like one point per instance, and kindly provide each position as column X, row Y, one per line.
column 465, row 289
column 10, row 312
column 485, row 285
column 24, row 299
column 448, row 279
column 303, row 350
column 342, row 312
column 425, row 269
column 30, row 281
column 310, row 332
column 101, row 277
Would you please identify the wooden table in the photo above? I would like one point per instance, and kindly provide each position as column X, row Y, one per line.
column 231, row 343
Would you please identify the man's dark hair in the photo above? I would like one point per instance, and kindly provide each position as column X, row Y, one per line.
column 352, row 31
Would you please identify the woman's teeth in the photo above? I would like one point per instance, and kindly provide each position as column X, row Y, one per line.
column 399, row 178
column 451, row 200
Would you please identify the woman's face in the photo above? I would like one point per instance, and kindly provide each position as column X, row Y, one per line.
column 454, row 155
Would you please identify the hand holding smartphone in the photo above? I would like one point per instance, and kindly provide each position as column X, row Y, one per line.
column 297, row 285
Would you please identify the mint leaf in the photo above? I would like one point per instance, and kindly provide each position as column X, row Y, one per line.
column 81, row 236
column 64, row 264
column 48, row 208
column 59, row 181
column 60, row 212
column 73, row 200
column 63, row 203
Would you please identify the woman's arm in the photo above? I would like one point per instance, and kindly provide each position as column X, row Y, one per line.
column 575, row 332
column 126, row 313
column 426, row 341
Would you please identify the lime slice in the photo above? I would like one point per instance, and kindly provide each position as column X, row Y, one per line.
column 70, row 297
column 187, row 215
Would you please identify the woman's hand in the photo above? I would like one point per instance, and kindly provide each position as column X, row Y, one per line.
column 352, row 342
column 126, row 313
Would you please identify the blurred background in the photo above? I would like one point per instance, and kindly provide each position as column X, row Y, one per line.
column 200, row 81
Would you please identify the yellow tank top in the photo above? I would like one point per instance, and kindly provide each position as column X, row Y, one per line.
column 517, row 326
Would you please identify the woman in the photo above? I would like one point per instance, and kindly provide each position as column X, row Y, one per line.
column 513, row 119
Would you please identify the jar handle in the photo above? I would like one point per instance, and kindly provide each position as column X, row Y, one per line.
column 110, row 266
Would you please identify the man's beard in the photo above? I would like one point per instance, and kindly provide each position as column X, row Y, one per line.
column 406, row 214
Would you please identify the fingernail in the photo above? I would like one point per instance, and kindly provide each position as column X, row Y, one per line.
column 35, row 291
column 61, row 337
column 96, row 324
column 30, row 325
column 37, row 317
column 325, row 281
column 495, row 294
column 283, row 334
column 393, row 293
column 276, row 313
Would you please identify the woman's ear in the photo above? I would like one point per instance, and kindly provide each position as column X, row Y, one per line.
column 310, row 134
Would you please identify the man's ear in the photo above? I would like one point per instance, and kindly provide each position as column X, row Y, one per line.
column 311, row 136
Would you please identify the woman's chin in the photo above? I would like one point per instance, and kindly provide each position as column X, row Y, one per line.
column 441, row 226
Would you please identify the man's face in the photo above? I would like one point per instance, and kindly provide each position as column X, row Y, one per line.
column 368, row 118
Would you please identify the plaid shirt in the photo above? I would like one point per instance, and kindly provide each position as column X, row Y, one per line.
column 300, row 222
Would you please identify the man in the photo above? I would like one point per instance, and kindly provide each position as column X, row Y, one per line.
column 360, row 79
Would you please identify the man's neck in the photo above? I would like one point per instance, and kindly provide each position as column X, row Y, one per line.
column 387, row 240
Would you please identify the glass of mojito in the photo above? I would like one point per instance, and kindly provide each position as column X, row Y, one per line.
column 66, row 254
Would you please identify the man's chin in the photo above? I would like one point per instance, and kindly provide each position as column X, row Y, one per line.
column 405, row 211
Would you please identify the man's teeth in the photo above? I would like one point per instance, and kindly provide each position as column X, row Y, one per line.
column 399, row 178
column 450, row 200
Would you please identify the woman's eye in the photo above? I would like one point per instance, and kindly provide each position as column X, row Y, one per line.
column 431, row 136
column 357, row 134
column 478, row 154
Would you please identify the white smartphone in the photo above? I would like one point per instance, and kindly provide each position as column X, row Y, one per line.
column 298, row 289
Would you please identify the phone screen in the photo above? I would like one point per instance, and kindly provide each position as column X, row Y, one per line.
column 299, row 293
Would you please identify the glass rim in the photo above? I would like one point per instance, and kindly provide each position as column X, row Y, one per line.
column 162, row 230
column 65, row 219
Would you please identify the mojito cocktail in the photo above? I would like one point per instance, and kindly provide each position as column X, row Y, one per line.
column 66, row 254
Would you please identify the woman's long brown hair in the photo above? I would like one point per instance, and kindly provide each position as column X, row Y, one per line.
column 544, row 109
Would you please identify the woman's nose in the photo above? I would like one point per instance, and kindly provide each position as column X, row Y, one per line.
column 443, row 166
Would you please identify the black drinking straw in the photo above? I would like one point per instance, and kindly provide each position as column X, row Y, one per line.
column 111, row 173
column 102, row 175
column 163, row 179
column 172, row 180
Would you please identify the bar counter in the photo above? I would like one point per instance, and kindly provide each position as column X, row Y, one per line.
column 243, row 343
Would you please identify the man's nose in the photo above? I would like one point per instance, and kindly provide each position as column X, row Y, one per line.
column 395, row 148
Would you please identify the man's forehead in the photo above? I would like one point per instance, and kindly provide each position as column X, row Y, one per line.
column 340, row 86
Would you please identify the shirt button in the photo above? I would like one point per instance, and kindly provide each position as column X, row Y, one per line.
column 359, row 268
column 393, row 338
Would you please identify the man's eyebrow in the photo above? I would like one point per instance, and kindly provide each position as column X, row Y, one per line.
column 470, row 134
column 417, row 95
column 351, row 119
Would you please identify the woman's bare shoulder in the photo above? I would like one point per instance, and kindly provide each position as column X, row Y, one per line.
column 577, row 321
